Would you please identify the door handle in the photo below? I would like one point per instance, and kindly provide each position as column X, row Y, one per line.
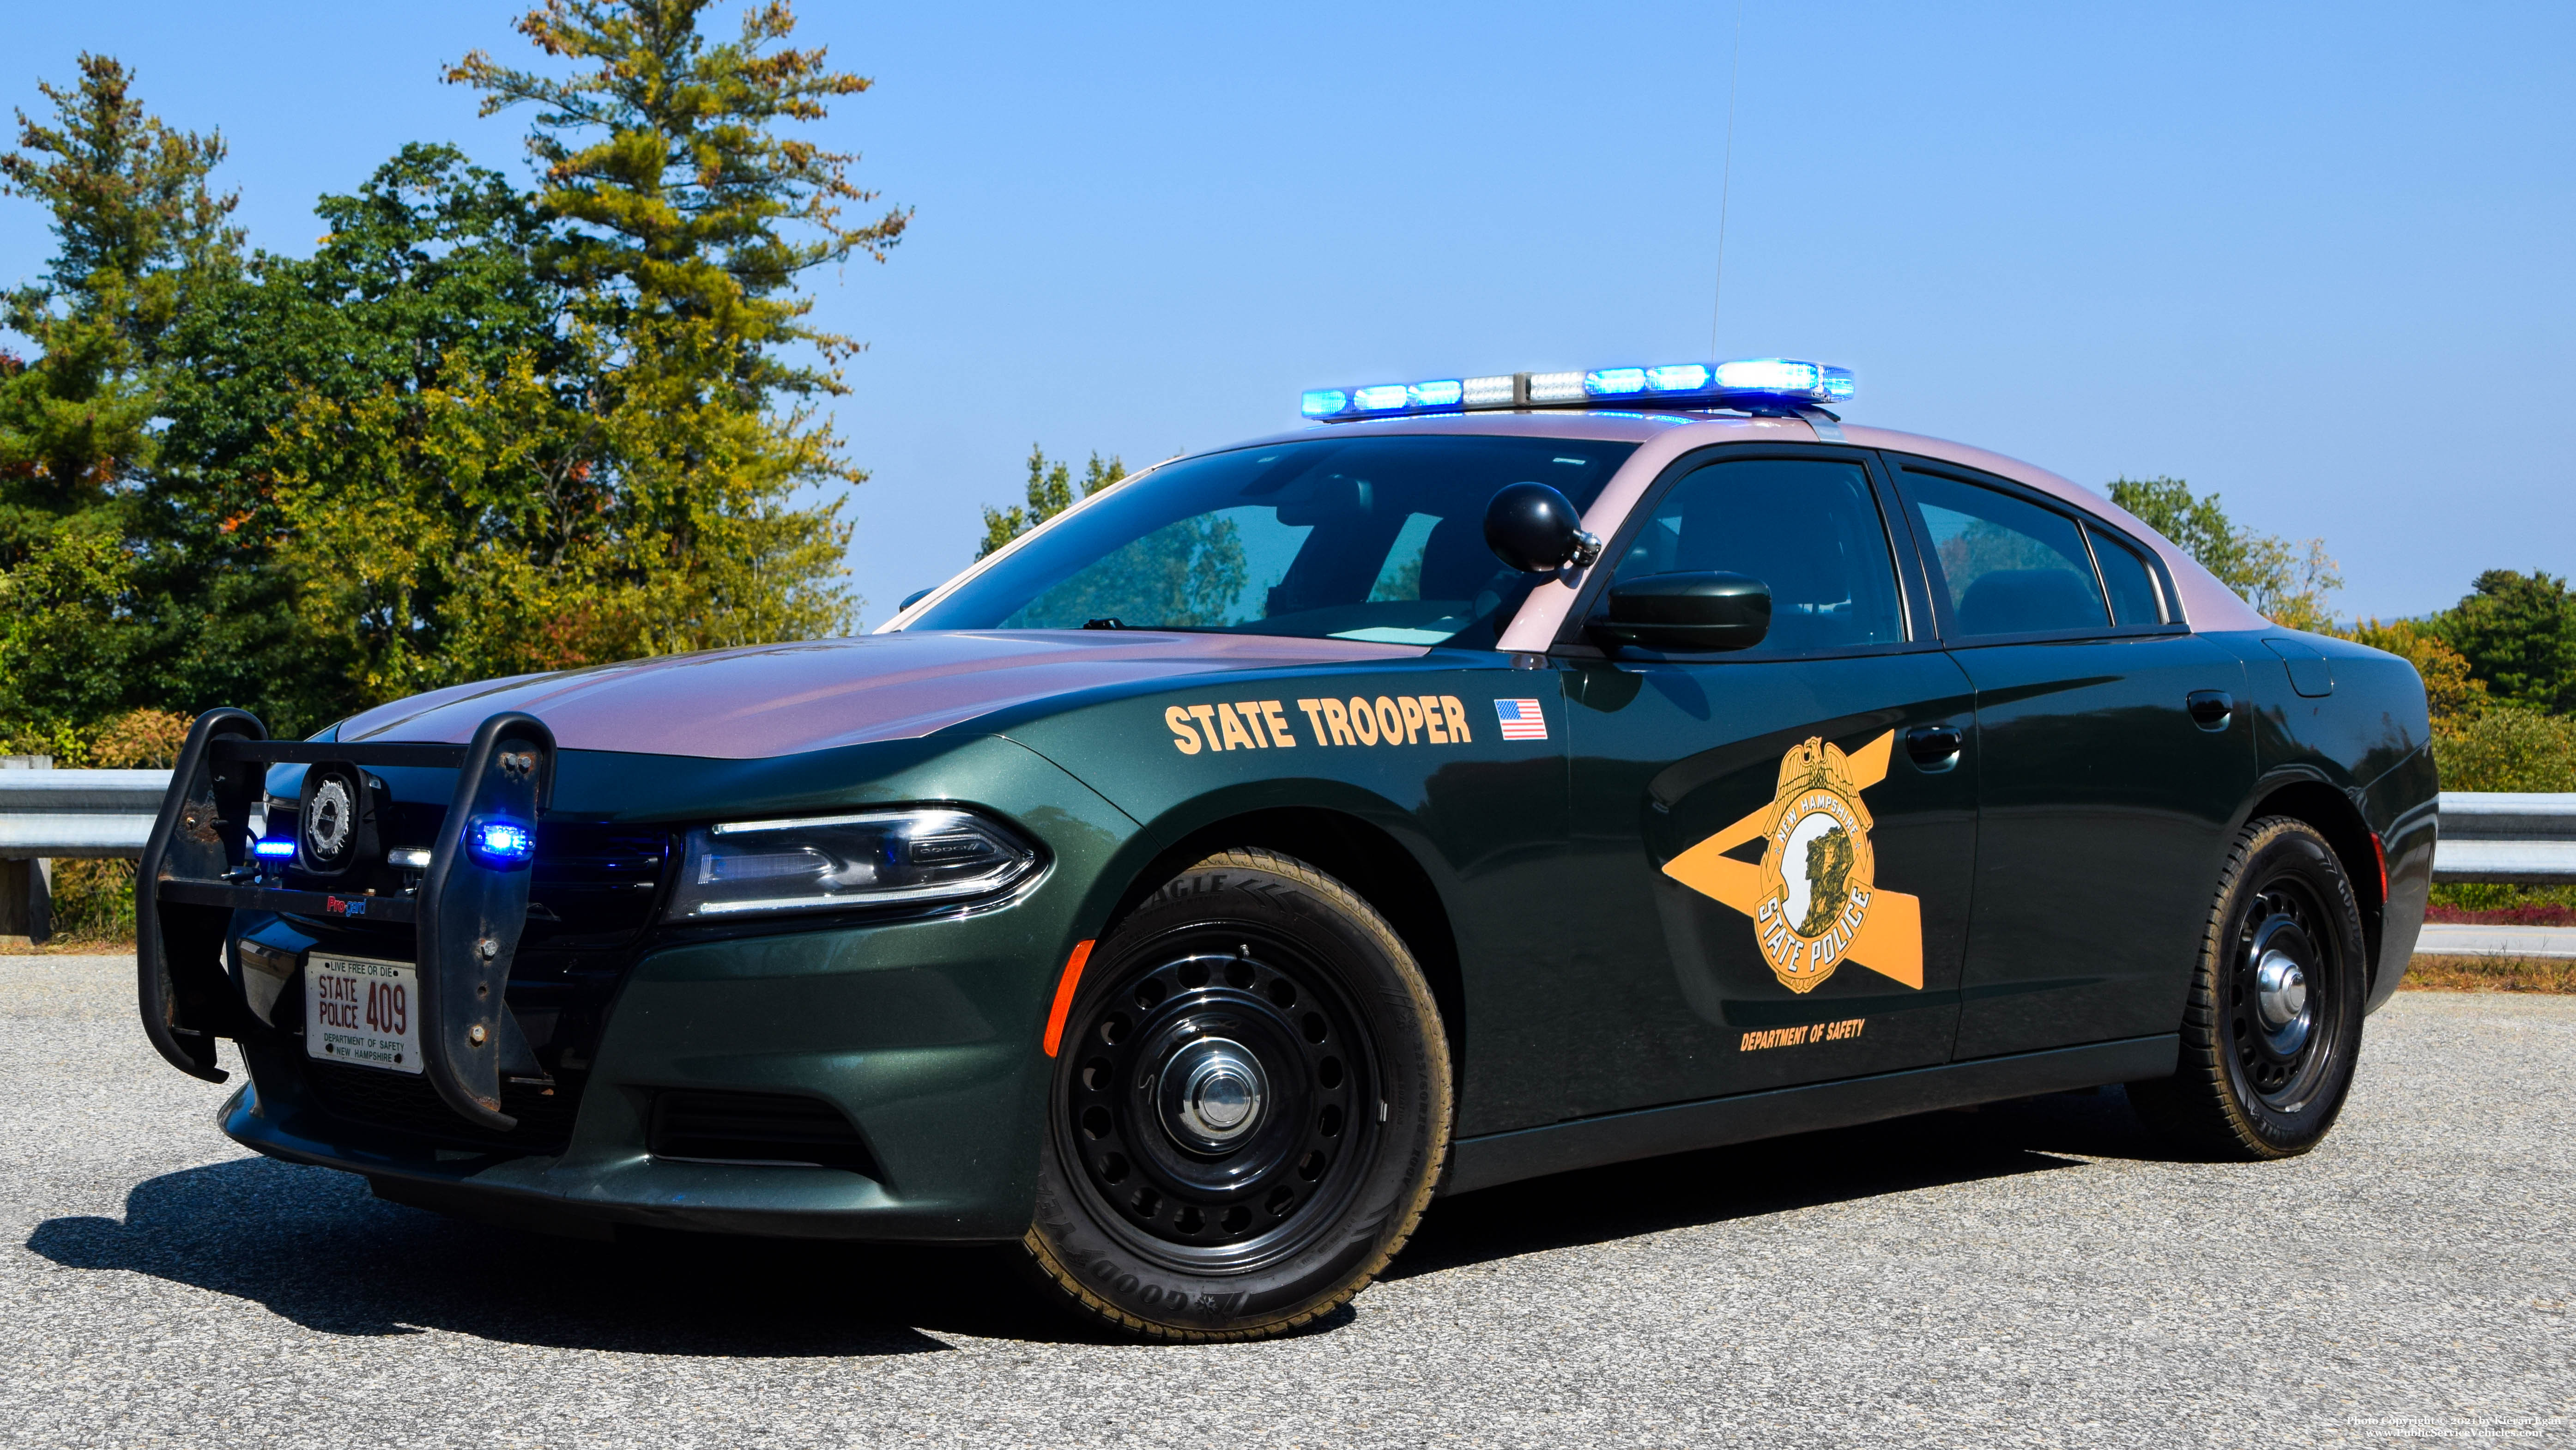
column 2210, row 709
column 1934, row 747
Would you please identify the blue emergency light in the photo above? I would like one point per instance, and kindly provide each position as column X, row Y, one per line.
column 273, row 848
column 1759, row 384
column 500, row 843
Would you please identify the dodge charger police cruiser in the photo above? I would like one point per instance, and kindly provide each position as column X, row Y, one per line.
column 1497, row 776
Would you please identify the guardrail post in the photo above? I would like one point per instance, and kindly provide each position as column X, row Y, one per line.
column 27, row 882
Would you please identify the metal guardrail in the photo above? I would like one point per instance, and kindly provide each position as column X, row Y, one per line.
column 2522, row 839
column 60, row 813
column 47, row 815
column 2519, row 838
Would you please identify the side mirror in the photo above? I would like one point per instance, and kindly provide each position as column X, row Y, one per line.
column 1536, row 530
column 1708, row 611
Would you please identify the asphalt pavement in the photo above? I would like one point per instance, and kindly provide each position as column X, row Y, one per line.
column 2040, row 1273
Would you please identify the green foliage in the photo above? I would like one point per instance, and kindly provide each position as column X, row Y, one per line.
column 2518, row 634
column 663, row 157
column 358, row 438
column 1050, row 492
column 2524, row 902
column 2510, row 748
column 138, row 236
column 2286, row 582
column 672, row 197
column 480, row 431
column 64, row 646
column 94, row 901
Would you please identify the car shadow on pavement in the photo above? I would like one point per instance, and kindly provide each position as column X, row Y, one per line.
column 1776, row 1175
column 315, row 1247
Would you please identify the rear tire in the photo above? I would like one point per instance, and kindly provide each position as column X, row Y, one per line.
column 1251, row 1106
column 2271, row 1030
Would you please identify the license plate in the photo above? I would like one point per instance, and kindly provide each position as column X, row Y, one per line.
column 361, row 1011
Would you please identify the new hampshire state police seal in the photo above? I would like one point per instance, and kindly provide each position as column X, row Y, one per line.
column 1814, row 898
column 1817, row 867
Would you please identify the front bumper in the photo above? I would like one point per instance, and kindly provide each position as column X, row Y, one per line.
column 891, row 1025
column 924, row 1034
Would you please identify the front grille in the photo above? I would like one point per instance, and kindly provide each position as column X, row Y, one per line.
column 591, row 902
column 774, row 1128
column 405, row 1102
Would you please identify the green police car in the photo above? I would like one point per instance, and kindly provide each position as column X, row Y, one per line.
column 1496, row 777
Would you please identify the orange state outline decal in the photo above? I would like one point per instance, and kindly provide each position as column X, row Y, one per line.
column 1832, row 909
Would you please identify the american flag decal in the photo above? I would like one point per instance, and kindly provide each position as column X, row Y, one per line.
column 1522, row 719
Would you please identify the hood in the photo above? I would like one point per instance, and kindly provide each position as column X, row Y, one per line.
column 784, row 699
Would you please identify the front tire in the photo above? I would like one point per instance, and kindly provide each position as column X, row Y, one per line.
column 2271, row 1030
column 1251, row 1107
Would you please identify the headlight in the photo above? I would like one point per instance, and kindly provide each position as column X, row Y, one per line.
column 823, row 863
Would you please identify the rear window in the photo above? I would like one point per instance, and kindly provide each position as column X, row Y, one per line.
column 2007, row 565
column 2132, row 583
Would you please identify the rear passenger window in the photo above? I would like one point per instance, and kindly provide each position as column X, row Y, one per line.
column 2133, row 585
column 2007, row 565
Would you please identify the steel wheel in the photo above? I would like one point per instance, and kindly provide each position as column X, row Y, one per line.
column 1224, row 1097
column 1250, row 1107
column 2272, row 1025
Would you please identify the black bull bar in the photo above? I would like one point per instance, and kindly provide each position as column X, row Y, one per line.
column 466, row 916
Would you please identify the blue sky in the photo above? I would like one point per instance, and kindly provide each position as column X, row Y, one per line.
column 2317, row 258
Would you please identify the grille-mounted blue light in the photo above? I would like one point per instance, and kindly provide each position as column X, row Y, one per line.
column 1762, row 384
column 273, row 848
column 500, row 843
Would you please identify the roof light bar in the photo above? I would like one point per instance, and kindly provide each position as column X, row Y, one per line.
column 1762, row 384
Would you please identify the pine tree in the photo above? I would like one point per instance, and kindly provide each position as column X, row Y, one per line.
column 139, row 235
column 686, row 220
column 1050, row 492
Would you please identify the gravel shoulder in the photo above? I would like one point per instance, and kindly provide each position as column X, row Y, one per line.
column 2031, row 1274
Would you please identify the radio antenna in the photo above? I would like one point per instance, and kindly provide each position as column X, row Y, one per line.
column 1726, row 183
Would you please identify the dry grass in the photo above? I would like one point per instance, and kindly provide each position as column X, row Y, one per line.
column 2490, row 974
column 16, row 946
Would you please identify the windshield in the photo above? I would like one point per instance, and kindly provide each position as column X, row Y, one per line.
column 1379, row 539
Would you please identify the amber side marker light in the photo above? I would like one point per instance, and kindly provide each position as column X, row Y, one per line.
column 1064, row 995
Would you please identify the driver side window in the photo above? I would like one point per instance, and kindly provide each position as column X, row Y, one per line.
column 1806, row 527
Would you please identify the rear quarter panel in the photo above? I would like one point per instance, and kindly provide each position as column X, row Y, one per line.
column 2370, row 740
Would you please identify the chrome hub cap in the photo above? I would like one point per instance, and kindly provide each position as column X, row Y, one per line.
column 1211, row 1094
column 2280, row 990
